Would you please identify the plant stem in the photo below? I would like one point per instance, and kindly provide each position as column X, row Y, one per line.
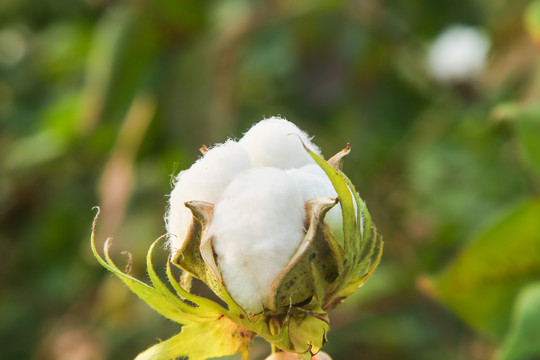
column 274, row 329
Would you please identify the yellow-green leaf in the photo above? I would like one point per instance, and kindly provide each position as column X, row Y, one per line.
column 345, row 199
column 202, row 341
column 532, row 20
column 308, row 331
column 523, row 339
column 166, row 306
column 482, row 282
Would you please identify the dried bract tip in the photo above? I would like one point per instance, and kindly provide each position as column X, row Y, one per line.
column 337, row 160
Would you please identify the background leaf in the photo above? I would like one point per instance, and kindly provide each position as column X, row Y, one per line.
column 528, row 125
column 482, row 282
column 532, row 20
column 523, row 338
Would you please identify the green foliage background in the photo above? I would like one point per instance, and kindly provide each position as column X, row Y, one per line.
column 102, row 101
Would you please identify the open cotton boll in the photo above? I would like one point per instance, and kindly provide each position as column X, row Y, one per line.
column 205, row 180
column 269, row 143
column 257, row 226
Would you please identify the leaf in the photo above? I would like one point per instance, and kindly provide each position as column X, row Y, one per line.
column 532, row 20
column 101, row 63
column 345, row 200
column 362, row 241
column 363, row 271
column 363, row 221
column 210, row 310
column 481, row 283
column 295, row 283
column 526, row 120
column 308, row 331
column 166, row 306
column 523, row 338
column 195, row 261
column 134, row 66
column 189, row 257
column 185, row 294
column 528, row 128
column 202, row 341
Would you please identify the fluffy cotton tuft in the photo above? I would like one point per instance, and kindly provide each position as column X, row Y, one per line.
column 458, row 54
column 269, row 143
column 205, row 180
column 256, row 228
column 315, row 183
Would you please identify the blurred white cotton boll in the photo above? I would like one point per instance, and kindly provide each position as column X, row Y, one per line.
column 205, row 180
column 258, row 224
column 270, row 143
column 458, row 54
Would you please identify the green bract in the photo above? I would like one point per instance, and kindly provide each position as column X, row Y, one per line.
column 322, row 273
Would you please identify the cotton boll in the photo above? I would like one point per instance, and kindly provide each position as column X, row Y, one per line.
column 205, row 180
column 458, row 54
column 257, row 226
column 269, row 143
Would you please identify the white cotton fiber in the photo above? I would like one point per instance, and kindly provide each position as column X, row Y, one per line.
column 315, row 183
column 205, row 180
column 269, row 143
column 257, row 226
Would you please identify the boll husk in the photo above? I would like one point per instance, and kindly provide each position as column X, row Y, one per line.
column 257, row 221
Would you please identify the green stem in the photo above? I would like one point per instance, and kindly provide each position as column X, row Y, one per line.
column 274, row 329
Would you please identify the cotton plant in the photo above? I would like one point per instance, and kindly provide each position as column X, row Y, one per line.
column 258, row 221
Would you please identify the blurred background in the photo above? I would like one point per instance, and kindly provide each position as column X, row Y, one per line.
column 101, row 102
